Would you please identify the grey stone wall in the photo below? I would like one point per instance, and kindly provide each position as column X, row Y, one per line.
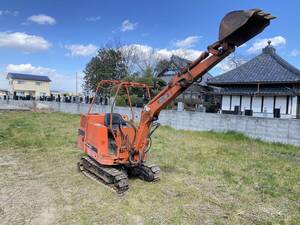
column 286, row 131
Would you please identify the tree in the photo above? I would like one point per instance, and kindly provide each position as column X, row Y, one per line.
column 108, row 64
column 130, row 55
column 138, row 95
column 231, row 62
column 140, row 58
column 161, row 65
column 115, row 62
column 148, row 72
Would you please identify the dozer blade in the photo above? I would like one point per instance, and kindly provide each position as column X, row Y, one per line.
column 237, row 27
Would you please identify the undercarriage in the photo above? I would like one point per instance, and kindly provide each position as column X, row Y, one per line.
column 117, row 177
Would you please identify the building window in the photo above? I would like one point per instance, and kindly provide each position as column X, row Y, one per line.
column 38, row 83
column 21, row 81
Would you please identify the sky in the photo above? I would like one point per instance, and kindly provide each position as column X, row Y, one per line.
column 59, row 37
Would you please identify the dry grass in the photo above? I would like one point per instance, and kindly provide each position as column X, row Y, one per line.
column 207, row 178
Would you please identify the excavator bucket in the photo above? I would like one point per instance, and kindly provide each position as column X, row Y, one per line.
column 237, row 27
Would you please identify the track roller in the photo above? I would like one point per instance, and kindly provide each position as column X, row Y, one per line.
column 147, row 172
column 110, row 176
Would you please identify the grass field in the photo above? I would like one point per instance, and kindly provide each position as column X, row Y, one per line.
column 207, row 178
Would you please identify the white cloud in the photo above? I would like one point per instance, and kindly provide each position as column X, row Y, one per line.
column 28, row 68
column 295, row 53
column 138, row 48
column 81, row 50
column 163, row 53
column 59, row 81
column 190, row 54
column 93, row 19
column 261, row 43
column 42, row 19
column 187, row 42
column 25, row 42
column 128, row 26
column 8, row 13
column 143, row 56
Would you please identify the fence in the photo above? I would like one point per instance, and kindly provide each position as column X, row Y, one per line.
column 286, row 131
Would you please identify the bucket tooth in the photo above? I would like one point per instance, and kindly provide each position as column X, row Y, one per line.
column 270, row 17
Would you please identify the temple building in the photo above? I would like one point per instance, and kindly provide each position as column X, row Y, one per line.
column 265, row 86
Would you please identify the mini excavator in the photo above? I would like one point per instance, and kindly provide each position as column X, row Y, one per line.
column 116, row 147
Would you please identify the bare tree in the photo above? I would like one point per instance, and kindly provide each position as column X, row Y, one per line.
column 137, row 58
column 130, row 55
column 232, row 61
column 147, row 59
column 140, row 58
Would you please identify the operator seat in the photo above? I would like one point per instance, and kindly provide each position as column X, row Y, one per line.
column 117, row 120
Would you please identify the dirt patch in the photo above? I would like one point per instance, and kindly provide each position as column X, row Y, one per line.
column 24, row 199
column 8, row 160
column 47, row 216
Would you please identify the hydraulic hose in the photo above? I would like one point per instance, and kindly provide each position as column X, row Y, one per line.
column 155, row 126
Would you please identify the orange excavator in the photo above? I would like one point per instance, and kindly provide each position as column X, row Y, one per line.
column 116, row 147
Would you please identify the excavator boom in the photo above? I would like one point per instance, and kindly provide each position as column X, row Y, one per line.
column 236, row 28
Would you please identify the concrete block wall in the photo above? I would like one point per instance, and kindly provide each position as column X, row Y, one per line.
column 286, row 131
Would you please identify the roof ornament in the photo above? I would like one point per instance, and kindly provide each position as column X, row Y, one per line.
column 269, row 49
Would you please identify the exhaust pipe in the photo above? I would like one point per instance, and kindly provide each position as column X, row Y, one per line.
column 237, row 27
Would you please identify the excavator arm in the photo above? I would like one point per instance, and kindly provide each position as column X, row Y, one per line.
column 236, row 28
column 115, row 147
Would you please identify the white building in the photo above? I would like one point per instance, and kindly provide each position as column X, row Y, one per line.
column 28, row 85
column 265, row 86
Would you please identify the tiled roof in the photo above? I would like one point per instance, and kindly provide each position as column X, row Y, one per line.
column 175, row 66
column 180, row 62
column 268, row 67
column 261, row 91
column 21, row 76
